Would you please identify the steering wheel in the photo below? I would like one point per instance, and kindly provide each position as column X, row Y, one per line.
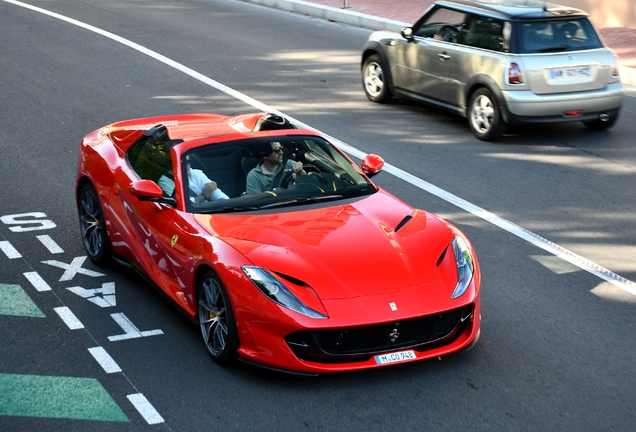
column 311, row 168
column 287, row 179
column 449, row 33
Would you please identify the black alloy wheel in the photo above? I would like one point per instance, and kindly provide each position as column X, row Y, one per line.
column 92, row 225
column 217, row 320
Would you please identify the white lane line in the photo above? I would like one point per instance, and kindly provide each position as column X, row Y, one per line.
column 147, row 411
column 548, row 246
column 69, row 318
column 37, row 281
column 571, row 257
column 104, row 359
column 50, row 244
column 9, row 250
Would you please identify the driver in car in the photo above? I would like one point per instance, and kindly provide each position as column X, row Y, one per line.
column 270, row 170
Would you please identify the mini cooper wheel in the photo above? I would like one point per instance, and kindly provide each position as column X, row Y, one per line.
column 217, row 320
column 374, row 80
column 484, row 117
column 92, row 225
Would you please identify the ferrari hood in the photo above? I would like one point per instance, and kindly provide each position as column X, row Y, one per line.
column 373, row 246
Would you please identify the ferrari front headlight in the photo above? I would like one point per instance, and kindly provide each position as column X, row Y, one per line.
column 465, row 266
column 274, row 290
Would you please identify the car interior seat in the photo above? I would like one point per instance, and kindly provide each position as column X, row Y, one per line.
column 564, row 33
column 484, row 33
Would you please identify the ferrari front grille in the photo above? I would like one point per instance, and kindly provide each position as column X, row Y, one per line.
column 359, row 343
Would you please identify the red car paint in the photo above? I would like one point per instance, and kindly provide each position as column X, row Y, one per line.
column 344, row 259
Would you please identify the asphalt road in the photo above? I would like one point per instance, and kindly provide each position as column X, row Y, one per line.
column 558, row 341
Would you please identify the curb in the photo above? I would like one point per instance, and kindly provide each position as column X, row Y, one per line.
column 628, row 75
column 332, row 14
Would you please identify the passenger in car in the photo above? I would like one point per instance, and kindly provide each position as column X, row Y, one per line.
column 201, row 187
column 269, row 171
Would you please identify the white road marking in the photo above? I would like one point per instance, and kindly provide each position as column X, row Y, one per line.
column 20, row 221
column 107, row 291
column 69, row 318
column 70, row 270
column 131, row 331
column 147, row 411
column 37, row 281
column 104, row 359
column 50, row 244
column 9, row 250
column 577, row 260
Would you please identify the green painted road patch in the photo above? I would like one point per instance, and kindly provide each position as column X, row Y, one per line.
column 57, row 397
column 15, row 301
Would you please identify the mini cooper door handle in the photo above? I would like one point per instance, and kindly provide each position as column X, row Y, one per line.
column 444, row 56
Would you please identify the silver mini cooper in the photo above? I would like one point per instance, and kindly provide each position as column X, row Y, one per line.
column 497, row 63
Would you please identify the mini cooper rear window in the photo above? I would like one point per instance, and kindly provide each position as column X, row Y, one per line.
column 555, row 36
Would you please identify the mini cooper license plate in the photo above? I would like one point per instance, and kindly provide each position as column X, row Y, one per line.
column 395, row 357
column 570, row 72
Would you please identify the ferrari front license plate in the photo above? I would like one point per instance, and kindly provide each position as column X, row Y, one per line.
column 395, row 357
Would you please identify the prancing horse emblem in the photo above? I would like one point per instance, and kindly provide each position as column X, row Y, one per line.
column 393, row 306
column 175, row 238
column 394, row 335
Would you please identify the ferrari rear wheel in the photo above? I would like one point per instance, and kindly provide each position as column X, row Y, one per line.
column 92, row 225
column 217, row 320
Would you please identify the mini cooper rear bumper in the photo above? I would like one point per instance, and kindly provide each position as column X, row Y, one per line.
column 523, row 106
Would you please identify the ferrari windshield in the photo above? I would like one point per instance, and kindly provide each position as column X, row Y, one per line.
column 271, row 172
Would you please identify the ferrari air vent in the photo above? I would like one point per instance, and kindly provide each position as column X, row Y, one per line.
column 441, row 257
column 404, row 222
column 291, row 279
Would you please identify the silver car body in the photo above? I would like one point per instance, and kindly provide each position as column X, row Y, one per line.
column 576, row 81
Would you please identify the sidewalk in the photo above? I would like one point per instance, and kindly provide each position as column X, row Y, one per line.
column 396, row 14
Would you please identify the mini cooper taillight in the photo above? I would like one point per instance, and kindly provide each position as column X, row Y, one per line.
column 614, row 73
column 515, row 74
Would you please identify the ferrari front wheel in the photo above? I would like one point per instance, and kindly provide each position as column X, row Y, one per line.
column 92, row 225
column 217, row 320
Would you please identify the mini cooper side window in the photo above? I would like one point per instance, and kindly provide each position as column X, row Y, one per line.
column 442, row 24
column 484, row 32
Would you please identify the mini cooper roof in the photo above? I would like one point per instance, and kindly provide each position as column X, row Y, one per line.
column 511, row 10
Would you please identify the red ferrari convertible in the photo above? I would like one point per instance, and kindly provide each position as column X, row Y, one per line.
column 276, row 244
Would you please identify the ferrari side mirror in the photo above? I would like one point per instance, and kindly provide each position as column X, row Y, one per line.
column 147, row 190
column 372, row 164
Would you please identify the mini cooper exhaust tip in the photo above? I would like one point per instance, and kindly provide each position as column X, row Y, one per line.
column 604, row 117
